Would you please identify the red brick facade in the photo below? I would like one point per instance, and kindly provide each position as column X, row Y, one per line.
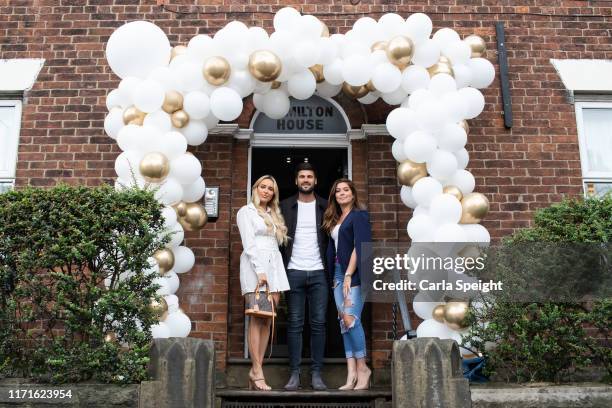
column 520, row 169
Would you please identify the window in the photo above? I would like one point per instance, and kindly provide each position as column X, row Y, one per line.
column 10, row 121
column 594, row 121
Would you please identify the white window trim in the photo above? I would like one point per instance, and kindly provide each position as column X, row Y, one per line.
column 589, row 175
column 10, row 155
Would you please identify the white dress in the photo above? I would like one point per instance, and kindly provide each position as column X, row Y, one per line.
column 260, row 252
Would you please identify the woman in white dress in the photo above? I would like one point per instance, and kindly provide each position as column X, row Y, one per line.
column 262, row 230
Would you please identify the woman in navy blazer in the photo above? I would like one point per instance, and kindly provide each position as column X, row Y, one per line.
column 349, row 226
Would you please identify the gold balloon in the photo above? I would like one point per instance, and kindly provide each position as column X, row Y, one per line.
column 438, row 313
column 165, row 260
column 477, row 45
column 179, row 119
column 264, row 65
column 474, row 208
column 110, row 337
column 443, row 66
column 379, row 45
column 216, row 70
column 195, row 217
column 354, row 91
column 409, row 172
column 317, row 71
column 133, row 116
column 158, row 307
column 173, row 101
column 370, row 86
column 465, row 126
column 455, row 314
column 154, row 167
column 400, row 50
column 178, row 50
column 180, row 208
column 453, row 190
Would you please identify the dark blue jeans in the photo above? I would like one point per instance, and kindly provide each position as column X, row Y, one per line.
column 311, row 286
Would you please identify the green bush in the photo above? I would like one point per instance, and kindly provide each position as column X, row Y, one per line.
column 544, row 340
column 73, row 269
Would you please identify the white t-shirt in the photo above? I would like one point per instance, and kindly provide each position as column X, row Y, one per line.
column 305, row 255
column 334, row 235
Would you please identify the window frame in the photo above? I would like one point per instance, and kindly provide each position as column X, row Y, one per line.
column 589, row 175
column 10, row 155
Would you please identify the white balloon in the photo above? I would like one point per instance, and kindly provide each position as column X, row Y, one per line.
column 369, row 98
column 474, row 101
column 114, row 122
column 173, row 144
column 195, row 132
column 159, row 120
column 401, row 121
column 186, row 168
column 419, row 97
column 201, row 46
column 160, row 331
column 169, row 216
column 173, row 281
column 136, row 48
column 127, row 164
column 476, row 233
column 415, row 77
column 419, row 146
column 328, row 51
column 328, row 90
column 463, row 75
column 421, row 210
column 258, row 39
column 442, row 165
column 422, row 308
column 302, row 85
column 131, row 137
column 441, row 84
column 463, row 180
column 184, row 259
column 420, row 228
column 483, row 72
column 149, row 96
column 306, row 54
column 309, row 27
column 176, row 234
column 173, row 303
column 407, row 198
column 397, row 149
column 128, row 87
column 463, row 158
column 153, row 267
column 445, row 35
column 169, row 192
column 116, row 99
column 419, row 27
column 391, row 24
column 286, row 19
column 226, row 104
column 445, row 209
column 179, row 324
column 196, row 104
column 276, row 104
column 452, row 137
column 195, row 191
column 242, row 82
column 387, row 77
column 356, row 70
column 458, row 52
column 454, row 105
column 163, row 289
column 333, row 72
column 165, row 77
column 433, row 328
column 396, row 97
column 425, row 189
column 189, row 77
column 432, row 115
column 426, row 54
column 450, row 233
column 211, row 121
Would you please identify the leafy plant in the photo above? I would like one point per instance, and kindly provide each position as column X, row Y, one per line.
column 74, row 269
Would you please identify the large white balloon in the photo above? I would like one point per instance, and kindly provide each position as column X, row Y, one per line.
column 463, row 157
column 179, row 324
column 476, row 233
column 186, row 168
column 195, row 132
column 441, row 84
column 306, row 53
column 136, row 49
column 387, row 77
column 149, row 96
column 445, row 208
column 114, row 122
column 226, row 104
column 276, row 104
column 172, row 144
column 127, row 163
column 450, row 233
column 414, row 77
column 196, row 104
column 407, row 198
column 419, row 146
column 419, row 27
column 194, row 191
column 433, row 328
column 483, row 72
column 442, row 165
column 426, row 54
column 159, row 120
column 397, row 149
column 302, row 84
column 184, row 259
column 328, row 90
column 169, row 192
column 452, row 137
column 173, row 281
column 474, row 101
column 401, row 121
column 425, row 189
column 458, row 52
column 420, row 228
column 356, row 70
column 422, row 307
column 160, row 331
column 333, row 72
column 463, row 180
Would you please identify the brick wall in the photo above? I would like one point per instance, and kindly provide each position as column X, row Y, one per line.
column 521, row 169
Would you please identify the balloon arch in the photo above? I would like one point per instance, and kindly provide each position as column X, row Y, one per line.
column 169, row 97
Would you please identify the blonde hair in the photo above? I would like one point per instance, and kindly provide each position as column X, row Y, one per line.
column 274, row 218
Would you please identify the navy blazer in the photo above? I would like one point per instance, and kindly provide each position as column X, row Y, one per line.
column 354, row 231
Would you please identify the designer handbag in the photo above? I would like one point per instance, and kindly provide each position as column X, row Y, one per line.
column 259, row 304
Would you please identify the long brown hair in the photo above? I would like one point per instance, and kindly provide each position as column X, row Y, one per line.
column 276, row 218
column 333, row 211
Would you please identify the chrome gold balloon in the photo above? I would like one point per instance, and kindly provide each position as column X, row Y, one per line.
column 317, row 71
column 474, row 208
column 179, row 119
column 178, row 50
column 133, row 116
column 477, row 45
column 165, row 260
column 275, row 85
column 455, row 314
column 409, row 172
column 454, row 191
column 443, row 66
column 154, row 167
column 370, row 86
column 195, row 217
column 354, row 91
column 173, row 101
column 400, row 50
column 465, row 126
column 379, row 45
column 216, row 70
column 264, row 65
column 158, row 307
column 180, row 208
column 438, row 313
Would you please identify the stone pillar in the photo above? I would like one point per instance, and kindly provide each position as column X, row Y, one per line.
column 185, row 367
column 426, row 373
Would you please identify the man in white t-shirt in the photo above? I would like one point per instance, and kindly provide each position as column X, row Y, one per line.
column 304, row 258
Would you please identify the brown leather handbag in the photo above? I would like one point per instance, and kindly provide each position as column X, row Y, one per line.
column 259, row 304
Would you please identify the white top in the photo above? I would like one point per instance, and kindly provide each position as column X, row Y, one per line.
column 334, row 235
column 260, row 252
column 305, row 255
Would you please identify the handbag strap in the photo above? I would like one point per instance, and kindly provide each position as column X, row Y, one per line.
column 271, row 299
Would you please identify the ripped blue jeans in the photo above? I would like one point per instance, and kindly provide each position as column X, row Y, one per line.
column 353, row 336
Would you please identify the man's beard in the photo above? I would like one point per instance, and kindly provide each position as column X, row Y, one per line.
column 307, row 190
